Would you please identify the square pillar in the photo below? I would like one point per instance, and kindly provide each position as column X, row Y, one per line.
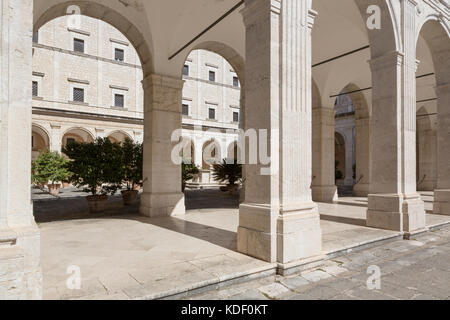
column 442, row 193
column 20, row 271
column 323, row 156
column 56, row 138
column 394, row 203
column 162, row 177
column 278, row 221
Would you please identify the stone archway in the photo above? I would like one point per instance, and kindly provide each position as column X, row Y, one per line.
column 79, row 135
column 340, row 158
column 436, row 35
column 118, row 136
column 40, row 141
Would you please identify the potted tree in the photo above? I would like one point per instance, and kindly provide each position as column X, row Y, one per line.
column 230, row 173
column 96, row 168
column 50, row 168
column 188, row 170
column 132, row 163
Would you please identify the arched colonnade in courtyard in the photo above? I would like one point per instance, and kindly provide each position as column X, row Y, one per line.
column 277, row 48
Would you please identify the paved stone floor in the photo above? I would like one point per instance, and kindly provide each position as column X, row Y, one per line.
column 418, row 269
column 122, row 255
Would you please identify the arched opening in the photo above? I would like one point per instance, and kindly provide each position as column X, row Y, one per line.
column 212, row 105
column 340, row 159
column 118, row 137
column 79, row 135
column 426, row 148
column 342, row 78
column 433, row 116
column 40, row 141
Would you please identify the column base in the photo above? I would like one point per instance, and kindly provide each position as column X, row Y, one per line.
column 361, row 190
column 324, row 193
column 256, row 232
column 20, row 270
column 298, row 233
column 265, row 234
column 441, row 202
column 162, row 204
column 396, row 212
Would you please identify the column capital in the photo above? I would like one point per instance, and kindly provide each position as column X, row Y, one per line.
column 387, row 60
column 162, row 81
column 255, row 9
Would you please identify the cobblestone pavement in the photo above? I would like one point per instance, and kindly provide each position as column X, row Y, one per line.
column 413, row 270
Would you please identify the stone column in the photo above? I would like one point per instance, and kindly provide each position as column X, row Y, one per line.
column 162, row 177
column 20, row 272
column 323, row 156
column 442, row 193
column 362, row 137
column 394, row 203
column 278, row 220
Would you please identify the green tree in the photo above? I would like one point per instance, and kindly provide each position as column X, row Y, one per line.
column 49, row 166
column 188, row 170
column 132, row 163
column 96, row 166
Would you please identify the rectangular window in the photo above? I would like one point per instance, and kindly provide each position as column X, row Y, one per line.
column 186, row 70
column 119, row 55
column 185, row 109
column 235, row 81
column 78, row 45
column 35, row 89
column 235, row 116
column 70, row 141
column 78, row 95
column 119, row 100
column 212, row 114
column 212, row 76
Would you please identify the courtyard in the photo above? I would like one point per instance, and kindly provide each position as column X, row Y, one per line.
column 122, row 255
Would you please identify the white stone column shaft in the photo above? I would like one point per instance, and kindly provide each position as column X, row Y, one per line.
column 394, row 203
column 278, row 220
column 162, row 177
column 19, row 235
column 323, row 155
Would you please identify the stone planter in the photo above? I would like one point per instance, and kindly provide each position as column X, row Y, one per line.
column 129, row 197
column 54, row 189
column 97, row 204
column 65, row 185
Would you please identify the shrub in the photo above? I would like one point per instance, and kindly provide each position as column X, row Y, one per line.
column 49, row 166
column 188, row 170
column 96, row 166
column 227, row 172
column 132, row 163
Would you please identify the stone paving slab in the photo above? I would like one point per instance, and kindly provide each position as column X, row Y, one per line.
column 412, row 270
column 122, row 254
